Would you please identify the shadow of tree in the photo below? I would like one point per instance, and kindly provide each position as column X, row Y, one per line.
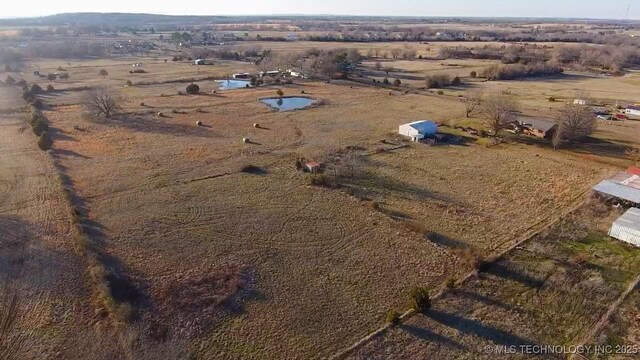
column 428, row 335
column 475, row 327
column 158, row 126
column 505, row 272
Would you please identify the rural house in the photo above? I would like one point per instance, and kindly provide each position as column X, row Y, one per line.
column 418, row 130
column 632, row 110
column 537, row 127
column 622, row 186
column 627, row 227
column 580, row 102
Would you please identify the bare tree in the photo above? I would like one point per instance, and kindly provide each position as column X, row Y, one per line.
column 102, row 102
column 472, row 102
column 498, row 110
column 395, row 53
column 575, row 122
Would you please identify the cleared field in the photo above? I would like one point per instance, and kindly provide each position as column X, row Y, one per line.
column 548, row 292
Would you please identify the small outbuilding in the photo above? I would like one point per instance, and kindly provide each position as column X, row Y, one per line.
column 627, row 227
column 418, row 130
column 313, row 167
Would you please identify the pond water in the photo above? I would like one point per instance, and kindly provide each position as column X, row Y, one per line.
column 233, row 84
column 288, row 103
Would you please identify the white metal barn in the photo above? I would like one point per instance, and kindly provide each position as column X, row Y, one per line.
column 627, row 227
column 418, row 129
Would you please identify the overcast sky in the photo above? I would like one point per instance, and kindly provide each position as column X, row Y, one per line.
column 610, row 9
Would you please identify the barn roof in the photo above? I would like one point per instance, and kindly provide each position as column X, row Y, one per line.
column 630, row 219
column 623, row 186
column 536, row 123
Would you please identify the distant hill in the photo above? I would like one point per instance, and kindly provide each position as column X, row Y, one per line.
column 115, row 19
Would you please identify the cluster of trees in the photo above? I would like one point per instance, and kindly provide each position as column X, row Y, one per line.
column 181, row 38
column 517, row 71
column 604, row 57
column 441, row 80
column 328, row 62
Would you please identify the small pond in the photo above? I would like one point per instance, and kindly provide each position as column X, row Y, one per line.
column 233, row 84
column 288, row 103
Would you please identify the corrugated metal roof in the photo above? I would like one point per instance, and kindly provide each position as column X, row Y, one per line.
column 627, row 227
column 633, row 107
column 623, row 192
column 424, row 126
column 626, row 179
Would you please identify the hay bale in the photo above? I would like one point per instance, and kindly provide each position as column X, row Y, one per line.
column 160, row 114
column 141, row 104
column 256, row 125
column 245, row 140
column 198, row 123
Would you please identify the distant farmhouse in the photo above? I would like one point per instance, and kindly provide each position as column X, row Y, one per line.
column 418, row 130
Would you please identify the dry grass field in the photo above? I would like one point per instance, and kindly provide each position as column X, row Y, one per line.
column 224, row 250
column 37, row 252
column 547, row 292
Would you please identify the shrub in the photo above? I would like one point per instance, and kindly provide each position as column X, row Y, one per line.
column 129, row 83
column 50, row 87
column 420, row 300
column 551, row 98
column 397, row 82
column 103, row 72
column 440, row 92
column 38, row 104
column 45, row 142
column 432, row 83
column 320, row 180
column 385, row 81
column 63, row 76
column 280, row 93
column 456, row 81
column 393, row 317
column 473, row 74
column 193, row 89
column 35, row 89
column 374, row 205
column 451, row 283
column 39, row 127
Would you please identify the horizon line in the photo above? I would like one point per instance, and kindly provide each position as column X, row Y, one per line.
column 323, row 15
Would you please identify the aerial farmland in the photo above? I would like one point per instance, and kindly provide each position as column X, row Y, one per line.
column 247, row 195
